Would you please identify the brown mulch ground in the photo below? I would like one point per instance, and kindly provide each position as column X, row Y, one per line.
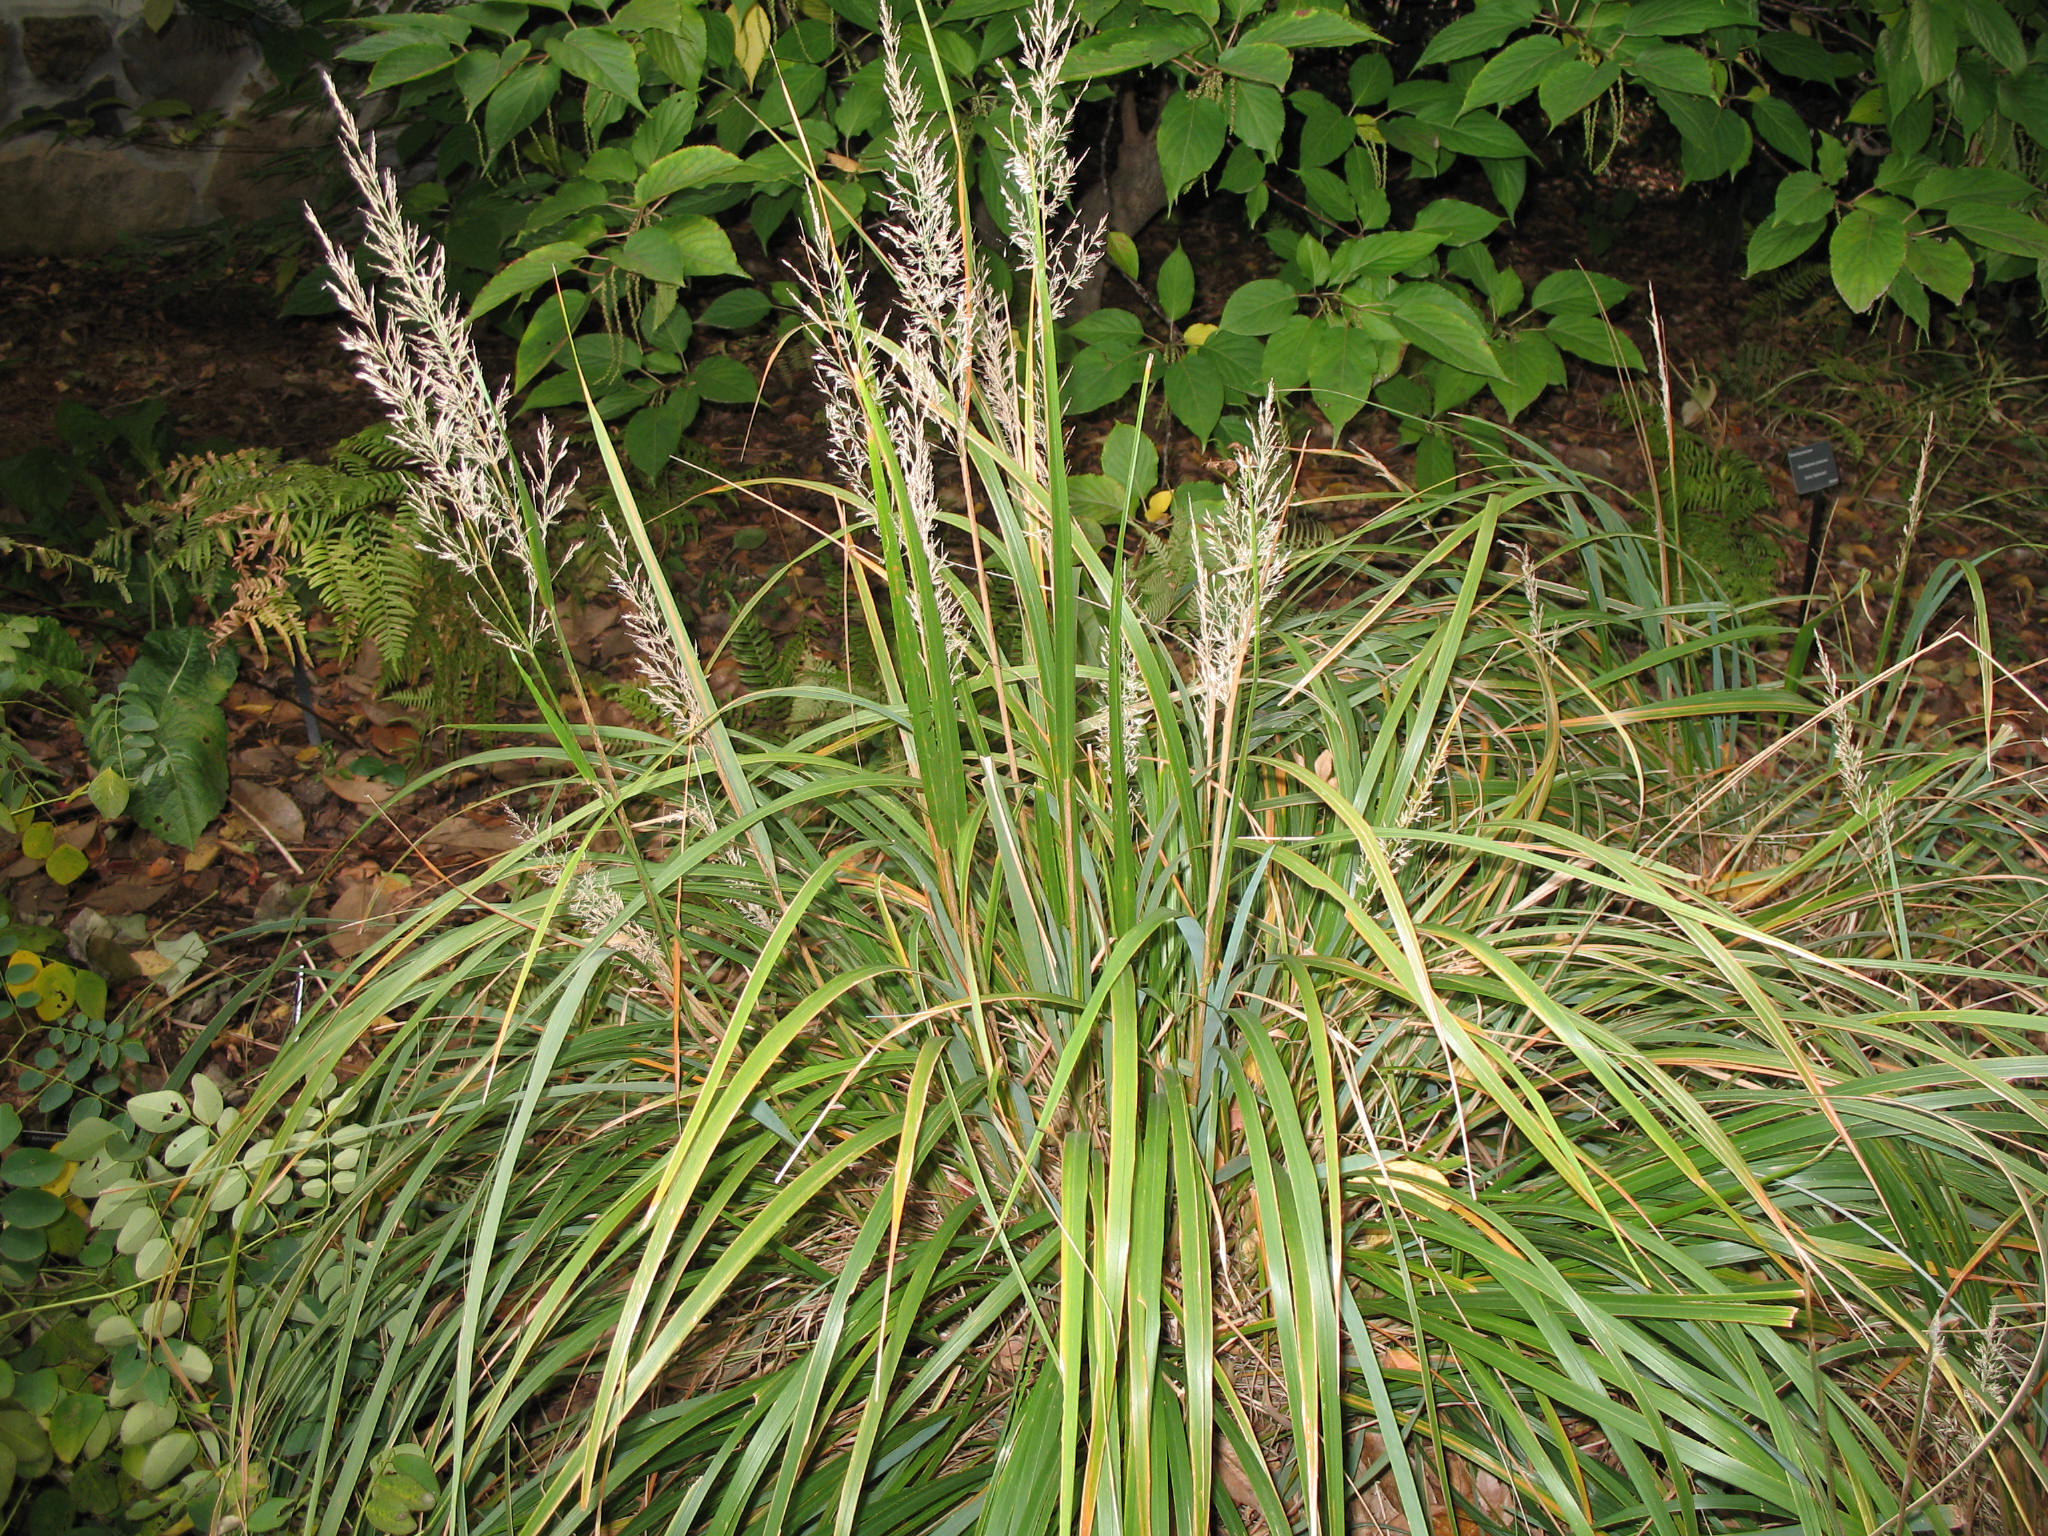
column 311, row 843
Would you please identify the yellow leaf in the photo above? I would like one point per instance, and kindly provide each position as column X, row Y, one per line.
column 1195, row 335
column 1158, row 506
column 33, row 961
column 752, row 32
column 56, row 985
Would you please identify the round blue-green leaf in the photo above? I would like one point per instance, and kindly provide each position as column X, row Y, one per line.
column 164, row 1459
column 159, row 1111
column 84, row 1139
column 30, row 1208
column 30, row 1167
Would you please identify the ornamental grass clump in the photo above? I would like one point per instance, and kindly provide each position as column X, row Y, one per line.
column 1220, row 1032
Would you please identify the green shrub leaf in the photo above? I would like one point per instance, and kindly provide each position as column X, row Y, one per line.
column 1865, row 253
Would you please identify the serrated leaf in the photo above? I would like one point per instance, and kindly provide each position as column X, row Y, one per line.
column 1865, row 253
column 753, row 36
column 1435, row 320
column 1344, row 363
column 1941, row 265
column 1803, row 198
column 737, row 309
column 1311, row 26
column 182, row 783
column 1592, row 338
column 1681, row 18
column 1570, row 85
column 601, row 57
column 1176, row 284
column 519, row 100
column 1672, row 67
column 1531, row 364
column 1781, row 127
column 1123, row 254
column 1189, row 140
column 1130, row 459
column 694, row 165
column 1260, row 307
column 1267, row 63
column 1114, row 52
column 1486, row 28
column 1992, row 25
column 1573, row 292
column 1775, row 242
column 409, row 61
column 678, row 249
column 726, row 381
column 1513, row 72
column 1194, row 395
column 1999, row 229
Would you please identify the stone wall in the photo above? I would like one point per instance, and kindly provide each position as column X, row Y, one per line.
column 66, row 194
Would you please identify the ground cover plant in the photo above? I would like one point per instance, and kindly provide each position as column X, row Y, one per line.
column 1215, row 1029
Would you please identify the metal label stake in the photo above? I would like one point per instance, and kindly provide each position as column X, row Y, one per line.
column 1814, row 474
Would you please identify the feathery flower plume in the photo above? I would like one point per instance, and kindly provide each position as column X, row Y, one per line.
column 1240, row 555
column 1040, row 183
column 479, row 505
column 664, row 676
